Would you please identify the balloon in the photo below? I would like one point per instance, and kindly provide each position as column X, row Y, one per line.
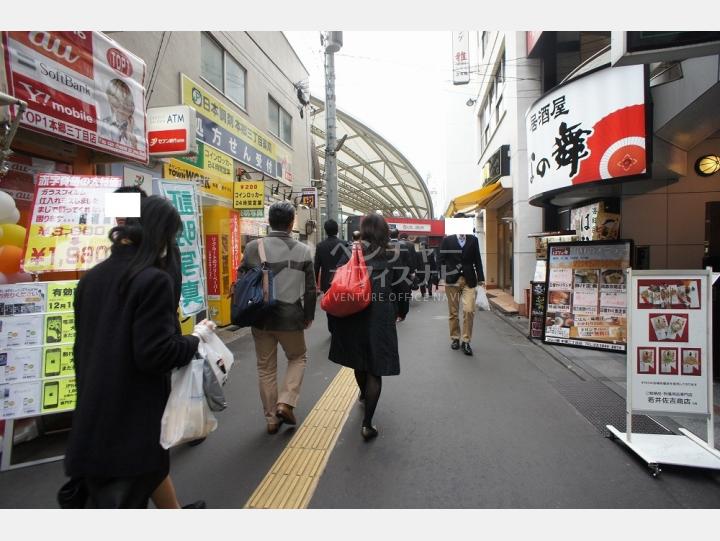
column 12, row 218
column 19, row 277
column 10, row 257
column 3, row 279
column 12, row 234
column 7, row 204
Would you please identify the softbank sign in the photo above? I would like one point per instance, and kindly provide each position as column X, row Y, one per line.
column 79, row 86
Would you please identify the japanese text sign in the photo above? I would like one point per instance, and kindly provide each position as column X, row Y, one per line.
column 171, row 130
column 309, row 197
column 669, row 354
column 80, row 86
column 69, row 230
column 226, row 130
column 210, row 183
column 461, row 58
column 586, row 294
column 183, row 197
column 249, row 195
column 587, row 130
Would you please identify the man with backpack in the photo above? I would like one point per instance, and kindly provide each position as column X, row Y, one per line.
column 283, row 322
column 329, row 255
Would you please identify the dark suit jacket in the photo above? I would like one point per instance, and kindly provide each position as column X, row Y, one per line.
column 329, row 254
column 455, row 261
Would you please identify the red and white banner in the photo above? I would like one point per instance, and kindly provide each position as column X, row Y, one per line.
column 212, row 253
column 590, row 129
column 80, row 86
column 171, row 130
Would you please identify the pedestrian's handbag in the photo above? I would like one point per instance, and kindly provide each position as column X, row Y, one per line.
column 481, row 299
column 350, row 290
column 253, row 293
column 187, row 416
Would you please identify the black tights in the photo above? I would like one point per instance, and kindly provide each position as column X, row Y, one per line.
column 370, row 387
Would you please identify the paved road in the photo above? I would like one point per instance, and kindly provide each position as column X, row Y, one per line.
column 486, row 431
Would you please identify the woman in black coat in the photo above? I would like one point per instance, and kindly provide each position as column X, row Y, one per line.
column 367, row 341
column 127, row 342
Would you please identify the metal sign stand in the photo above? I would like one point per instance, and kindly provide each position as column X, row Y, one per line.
column 677, row 450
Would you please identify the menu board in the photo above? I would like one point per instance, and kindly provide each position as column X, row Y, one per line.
column 586, row 294
column 668, row 358
column 37, row 333
column 538, row 300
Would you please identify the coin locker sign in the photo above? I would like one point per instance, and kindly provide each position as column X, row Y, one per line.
column 249, row 195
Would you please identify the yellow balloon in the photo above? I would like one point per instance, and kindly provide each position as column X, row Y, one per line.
column 13, row 234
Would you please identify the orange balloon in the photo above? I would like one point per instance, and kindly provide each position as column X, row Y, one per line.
column 10, row 257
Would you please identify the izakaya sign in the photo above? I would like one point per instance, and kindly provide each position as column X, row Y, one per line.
column 80, row 86
column 591, row 129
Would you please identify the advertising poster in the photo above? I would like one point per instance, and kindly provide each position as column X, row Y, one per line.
column 668, row 361
column 184, row 198
column 593, row 128
column 538, row 302
column 227, row 131
column 69, row 230
column 80, row 86
column 586, row 294
column 36, row 348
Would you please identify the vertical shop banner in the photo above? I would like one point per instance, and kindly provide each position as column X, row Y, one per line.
column 235, row 250
column 183, row 196
column 592, row 128
column 212, row 252
column 80, row 86
column 668, row 356
column 37, row 332
column 68, row 229
column 226, row 130
column 586, row 294
column 461, row 58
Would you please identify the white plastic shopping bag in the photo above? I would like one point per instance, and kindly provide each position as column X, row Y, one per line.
column 215, row 351
column 481, row 299
column 187, row 416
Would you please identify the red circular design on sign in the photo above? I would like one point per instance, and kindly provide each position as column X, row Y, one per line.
column 120, row 62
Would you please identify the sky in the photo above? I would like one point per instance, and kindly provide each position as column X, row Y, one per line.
column 395, row 82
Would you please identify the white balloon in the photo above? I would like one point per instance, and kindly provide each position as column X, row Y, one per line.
column 7, row 203
column 11, row 217
column 3, row 279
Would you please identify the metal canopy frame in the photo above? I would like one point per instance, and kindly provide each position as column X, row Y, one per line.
column 372, row 174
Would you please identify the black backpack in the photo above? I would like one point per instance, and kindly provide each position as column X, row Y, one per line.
column 253, row 293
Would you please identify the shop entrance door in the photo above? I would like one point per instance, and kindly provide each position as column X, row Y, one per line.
column 505, row 249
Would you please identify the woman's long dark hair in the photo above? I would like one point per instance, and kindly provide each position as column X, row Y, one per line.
column 154, row 233
column 375, row 234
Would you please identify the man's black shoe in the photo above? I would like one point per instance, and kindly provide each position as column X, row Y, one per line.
column 455, row 344
column 467, row 350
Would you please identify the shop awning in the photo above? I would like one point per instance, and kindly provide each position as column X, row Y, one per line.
column 473, row 200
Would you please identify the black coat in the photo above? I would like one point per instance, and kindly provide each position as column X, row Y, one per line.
column 329, row 254
column 125, row 348
column 455, row 261
column 368, row 340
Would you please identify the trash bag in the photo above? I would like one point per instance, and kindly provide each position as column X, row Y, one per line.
column 481, row 299
column 187, row 416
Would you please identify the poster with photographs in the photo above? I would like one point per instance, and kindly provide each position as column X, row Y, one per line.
column 37, row 332
column 668, row 367
column 587, row 295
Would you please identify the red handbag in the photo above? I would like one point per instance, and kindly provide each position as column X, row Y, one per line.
column 350, row 290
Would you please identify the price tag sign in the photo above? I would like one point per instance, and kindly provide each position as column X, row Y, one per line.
column 249, row 195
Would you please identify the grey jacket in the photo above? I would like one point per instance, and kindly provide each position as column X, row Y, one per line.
column 294, row 285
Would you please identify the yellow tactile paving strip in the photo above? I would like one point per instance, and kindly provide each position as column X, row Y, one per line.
column 291, row 481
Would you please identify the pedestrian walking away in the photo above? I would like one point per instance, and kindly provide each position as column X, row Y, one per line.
column 125, row 348
column 367, row 341
column 329, row 255
column 403, row 259
column 461, row 266
column 286, row 320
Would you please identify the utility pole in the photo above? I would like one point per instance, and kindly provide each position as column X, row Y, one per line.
column 332, row 42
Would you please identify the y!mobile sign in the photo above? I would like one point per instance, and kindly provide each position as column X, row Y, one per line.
column 591, row 129
column 80, row 86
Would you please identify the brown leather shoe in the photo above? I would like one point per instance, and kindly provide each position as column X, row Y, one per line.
column 285, row 413
column 272, row 428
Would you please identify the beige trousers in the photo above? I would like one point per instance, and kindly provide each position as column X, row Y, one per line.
column 293, row 344
column 459, row 291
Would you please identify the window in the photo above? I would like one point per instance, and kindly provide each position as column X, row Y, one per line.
column 280, row 121
column 499, row 109
column 484, row 40
column 222, row 71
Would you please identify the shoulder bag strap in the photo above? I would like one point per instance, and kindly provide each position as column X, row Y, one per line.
column 265, row 272
column 261, row 251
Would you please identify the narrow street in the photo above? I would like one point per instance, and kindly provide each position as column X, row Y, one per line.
column 489, row 431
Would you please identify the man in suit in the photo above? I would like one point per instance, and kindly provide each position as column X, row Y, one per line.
column 329, row 255
column 404, row 258
column 461, row 266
